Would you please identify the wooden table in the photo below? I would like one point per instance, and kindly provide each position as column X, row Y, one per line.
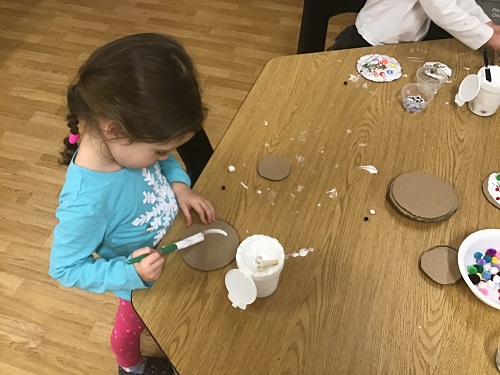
column 359, row 303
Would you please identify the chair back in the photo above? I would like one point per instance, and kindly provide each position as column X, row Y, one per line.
column 315, row 17
column 195, row 154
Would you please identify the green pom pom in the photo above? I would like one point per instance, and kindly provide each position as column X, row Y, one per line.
column 478, row 268
column 472, row 270
column 498, row 177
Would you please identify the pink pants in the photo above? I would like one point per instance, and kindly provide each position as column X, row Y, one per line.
column 126, row 335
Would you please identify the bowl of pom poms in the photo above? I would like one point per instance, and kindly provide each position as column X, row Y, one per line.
column 479, row 264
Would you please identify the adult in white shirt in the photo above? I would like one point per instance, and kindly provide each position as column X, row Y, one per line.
column 396, row 21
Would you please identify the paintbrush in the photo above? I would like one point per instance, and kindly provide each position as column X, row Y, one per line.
column 487, row 71
column 182, row 244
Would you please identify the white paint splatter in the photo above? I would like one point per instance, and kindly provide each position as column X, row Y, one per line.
column 466, row 68
column 293, row 195
column 349, row 131
column 365, row 85
column 231, row 168
column 405, row 75
column 337, row 165
column 319, row 204
column 299, row 158
column 259, row 192
column 300, row 188
column 369, row 168
column 362, row 144
column 246, row 187
column 446, row 102
column 272, row 195
column 302, row 252
column 266, row 145
column 265, row 123
column 354, row 78
column 302, row 136
column 339, row 60
column 332, row 193
column 372, row 212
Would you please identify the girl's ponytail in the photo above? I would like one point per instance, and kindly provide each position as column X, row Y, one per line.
column 71, row 141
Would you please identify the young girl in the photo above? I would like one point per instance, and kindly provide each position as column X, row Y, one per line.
column 134, row 101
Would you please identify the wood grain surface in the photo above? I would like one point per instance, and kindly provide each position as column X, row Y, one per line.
column 47, row 329
column 358, row 304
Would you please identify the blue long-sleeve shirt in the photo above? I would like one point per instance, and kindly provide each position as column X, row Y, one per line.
column 104, row 217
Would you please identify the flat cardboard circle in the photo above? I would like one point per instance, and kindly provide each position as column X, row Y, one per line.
column 215, row 251
column 487, row 194
column 423, row 196
column 440, row 263
column 273, row 168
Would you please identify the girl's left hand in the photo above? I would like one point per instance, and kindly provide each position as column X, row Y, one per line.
column 188, row 199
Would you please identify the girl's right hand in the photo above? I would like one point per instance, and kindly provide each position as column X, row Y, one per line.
column 149, row 268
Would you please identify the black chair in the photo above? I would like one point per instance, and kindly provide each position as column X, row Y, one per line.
column 315, row 17
column 195, row 154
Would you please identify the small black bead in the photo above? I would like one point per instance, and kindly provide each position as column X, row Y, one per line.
column 223, row 187
column 345, row 82
column 366, row 218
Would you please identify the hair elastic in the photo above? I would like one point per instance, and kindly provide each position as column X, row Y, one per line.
column 73, row 138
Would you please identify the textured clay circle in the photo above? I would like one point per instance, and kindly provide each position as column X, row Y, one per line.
column 441, row 264
column 274, row 168
column 424, row 195
column 215, row 251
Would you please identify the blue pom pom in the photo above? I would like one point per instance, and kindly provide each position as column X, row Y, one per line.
column 478, row 255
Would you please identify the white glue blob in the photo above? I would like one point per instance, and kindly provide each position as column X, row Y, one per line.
column 369, row 168
column 231, row 168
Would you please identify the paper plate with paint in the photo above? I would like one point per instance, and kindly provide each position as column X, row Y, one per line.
column 379, row 68
column 491, row 189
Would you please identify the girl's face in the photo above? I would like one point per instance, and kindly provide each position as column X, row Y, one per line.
column 135, row 155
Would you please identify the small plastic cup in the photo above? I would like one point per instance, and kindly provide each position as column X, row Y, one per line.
column 433, row 76
column 416, row 96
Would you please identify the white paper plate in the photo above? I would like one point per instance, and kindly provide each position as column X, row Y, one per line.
column 379, row 68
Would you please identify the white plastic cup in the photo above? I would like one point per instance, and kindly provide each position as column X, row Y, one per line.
column 261, row 247
column 487, row 99
column 433, row 76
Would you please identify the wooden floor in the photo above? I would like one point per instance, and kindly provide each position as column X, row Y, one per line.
column 46, row 328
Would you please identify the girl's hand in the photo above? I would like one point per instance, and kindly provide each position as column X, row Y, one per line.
column 188, row 199
column 149, row 268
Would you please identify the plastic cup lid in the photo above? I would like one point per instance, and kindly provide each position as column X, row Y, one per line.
column 468, row 89
column 242, row 289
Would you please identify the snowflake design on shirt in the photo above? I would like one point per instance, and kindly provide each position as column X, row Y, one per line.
column 164, row 204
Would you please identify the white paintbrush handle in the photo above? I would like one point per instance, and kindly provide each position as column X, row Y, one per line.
column 190, row 241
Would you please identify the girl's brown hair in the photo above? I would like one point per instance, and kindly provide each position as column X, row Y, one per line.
column 146, row 83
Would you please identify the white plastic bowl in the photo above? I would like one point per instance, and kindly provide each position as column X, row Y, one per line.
column 477, row 241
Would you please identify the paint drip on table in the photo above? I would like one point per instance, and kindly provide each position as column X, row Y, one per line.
column 302, row 252
column 379, row 68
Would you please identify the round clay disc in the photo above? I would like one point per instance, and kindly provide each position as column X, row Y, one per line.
column 440, row 263
column 273, row 168
column 424, row 196
column 491, row 189
column 215, row 251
